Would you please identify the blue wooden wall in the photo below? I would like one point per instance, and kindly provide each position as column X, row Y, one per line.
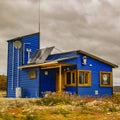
column 30, row 42
column 47, row 82
column 30, row 86
column 12, row 70
column 95, row 69
column 93, row 65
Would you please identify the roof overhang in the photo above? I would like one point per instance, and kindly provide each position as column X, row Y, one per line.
column 98, row 58
column 48, row 65
column 92, row 56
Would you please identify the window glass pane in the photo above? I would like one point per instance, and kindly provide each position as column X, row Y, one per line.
column 68, row 77
column 81, row 78
column 32, row 74
column 86, row 78
column 105, row 78
column 73, row 77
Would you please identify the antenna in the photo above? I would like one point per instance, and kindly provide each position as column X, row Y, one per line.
column 39, row 21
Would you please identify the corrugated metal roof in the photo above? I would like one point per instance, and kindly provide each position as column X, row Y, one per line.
column 63, row 58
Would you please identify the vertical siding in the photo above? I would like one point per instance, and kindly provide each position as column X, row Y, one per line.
column 31, row 42
column 34, row 40
column 47, row 82
column 29, row 86
column 10, row 91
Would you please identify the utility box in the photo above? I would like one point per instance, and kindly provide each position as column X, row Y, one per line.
column 18, row 92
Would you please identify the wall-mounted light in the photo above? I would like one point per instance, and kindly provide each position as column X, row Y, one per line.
column 84, row 60
column 68, row 68
column 96, row 92
column 90, row 65
column 46, row 72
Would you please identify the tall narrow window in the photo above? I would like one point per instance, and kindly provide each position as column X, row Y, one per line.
column 81, row 78
column 71, row 78
column 84, row 78
column 68, row 76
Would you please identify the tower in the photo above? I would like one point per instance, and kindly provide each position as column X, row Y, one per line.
column 19, row 51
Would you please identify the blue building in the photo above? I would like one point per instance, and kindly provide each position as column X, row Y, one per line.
column 32, row 71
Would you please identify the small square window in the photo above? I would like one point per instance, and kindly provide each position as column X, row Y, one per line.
column 105, row 79
column 32, row 74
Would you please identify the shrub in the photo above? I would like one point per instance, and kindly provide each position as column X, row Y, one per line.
column 115, row 98
column 51, row 99
column 3, row 81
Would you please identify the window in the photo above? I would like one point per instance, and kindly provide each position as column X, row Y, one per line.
column 106, row 79
column 32, row 74
column 84, row 78
column 68, row 77
column 71, row 78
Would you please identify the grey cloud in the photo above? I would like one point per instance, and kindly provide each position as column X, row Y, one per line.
column 90, row 25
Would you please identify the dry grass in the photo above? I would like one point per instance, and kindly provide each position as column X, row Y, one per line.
column 3, row 82
column 60, row 107
column 2, row 94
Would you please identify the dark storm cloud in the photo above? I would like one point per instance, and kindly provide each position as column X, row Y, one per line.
column 81, row 21
column 17, row 17
column 90, row 25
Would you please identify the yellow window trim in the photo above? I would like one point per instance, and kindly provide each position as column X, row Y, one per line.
column 72, row 84
column 78, row 72
column 111, row 79
column 89, row 77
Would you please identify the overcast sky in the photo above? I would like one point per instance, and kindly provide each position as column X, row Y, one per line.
column 89, row 25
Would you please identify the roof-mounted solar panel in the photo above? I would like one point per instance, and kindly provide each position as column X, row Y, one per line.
column 40, row 55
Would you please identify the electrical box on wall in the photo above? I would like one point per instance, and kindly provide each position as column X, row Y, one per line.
column 96, row 92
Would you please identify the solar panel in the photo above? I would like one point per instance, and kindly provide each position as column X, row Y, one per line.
column 33, row 56
column 40, row 55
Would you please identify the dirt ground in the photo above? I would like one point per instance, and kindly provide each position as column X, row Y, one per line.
column 60, row 108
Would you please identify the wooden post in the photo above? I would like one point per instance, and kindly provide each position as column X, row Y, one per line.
column 60, row 79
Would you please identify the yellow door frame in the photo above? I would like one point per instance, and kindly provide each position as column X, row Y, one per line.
column 59, row 87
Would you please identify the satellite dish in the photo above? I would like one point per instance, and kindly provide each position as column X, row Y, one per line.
column 17, row 44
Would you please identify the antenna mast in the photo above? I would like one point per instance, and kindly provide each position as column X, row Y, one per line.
column 39, row 20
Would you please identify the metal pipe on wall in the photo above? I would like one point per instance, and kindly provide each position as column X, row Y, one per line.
column 12, row 67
